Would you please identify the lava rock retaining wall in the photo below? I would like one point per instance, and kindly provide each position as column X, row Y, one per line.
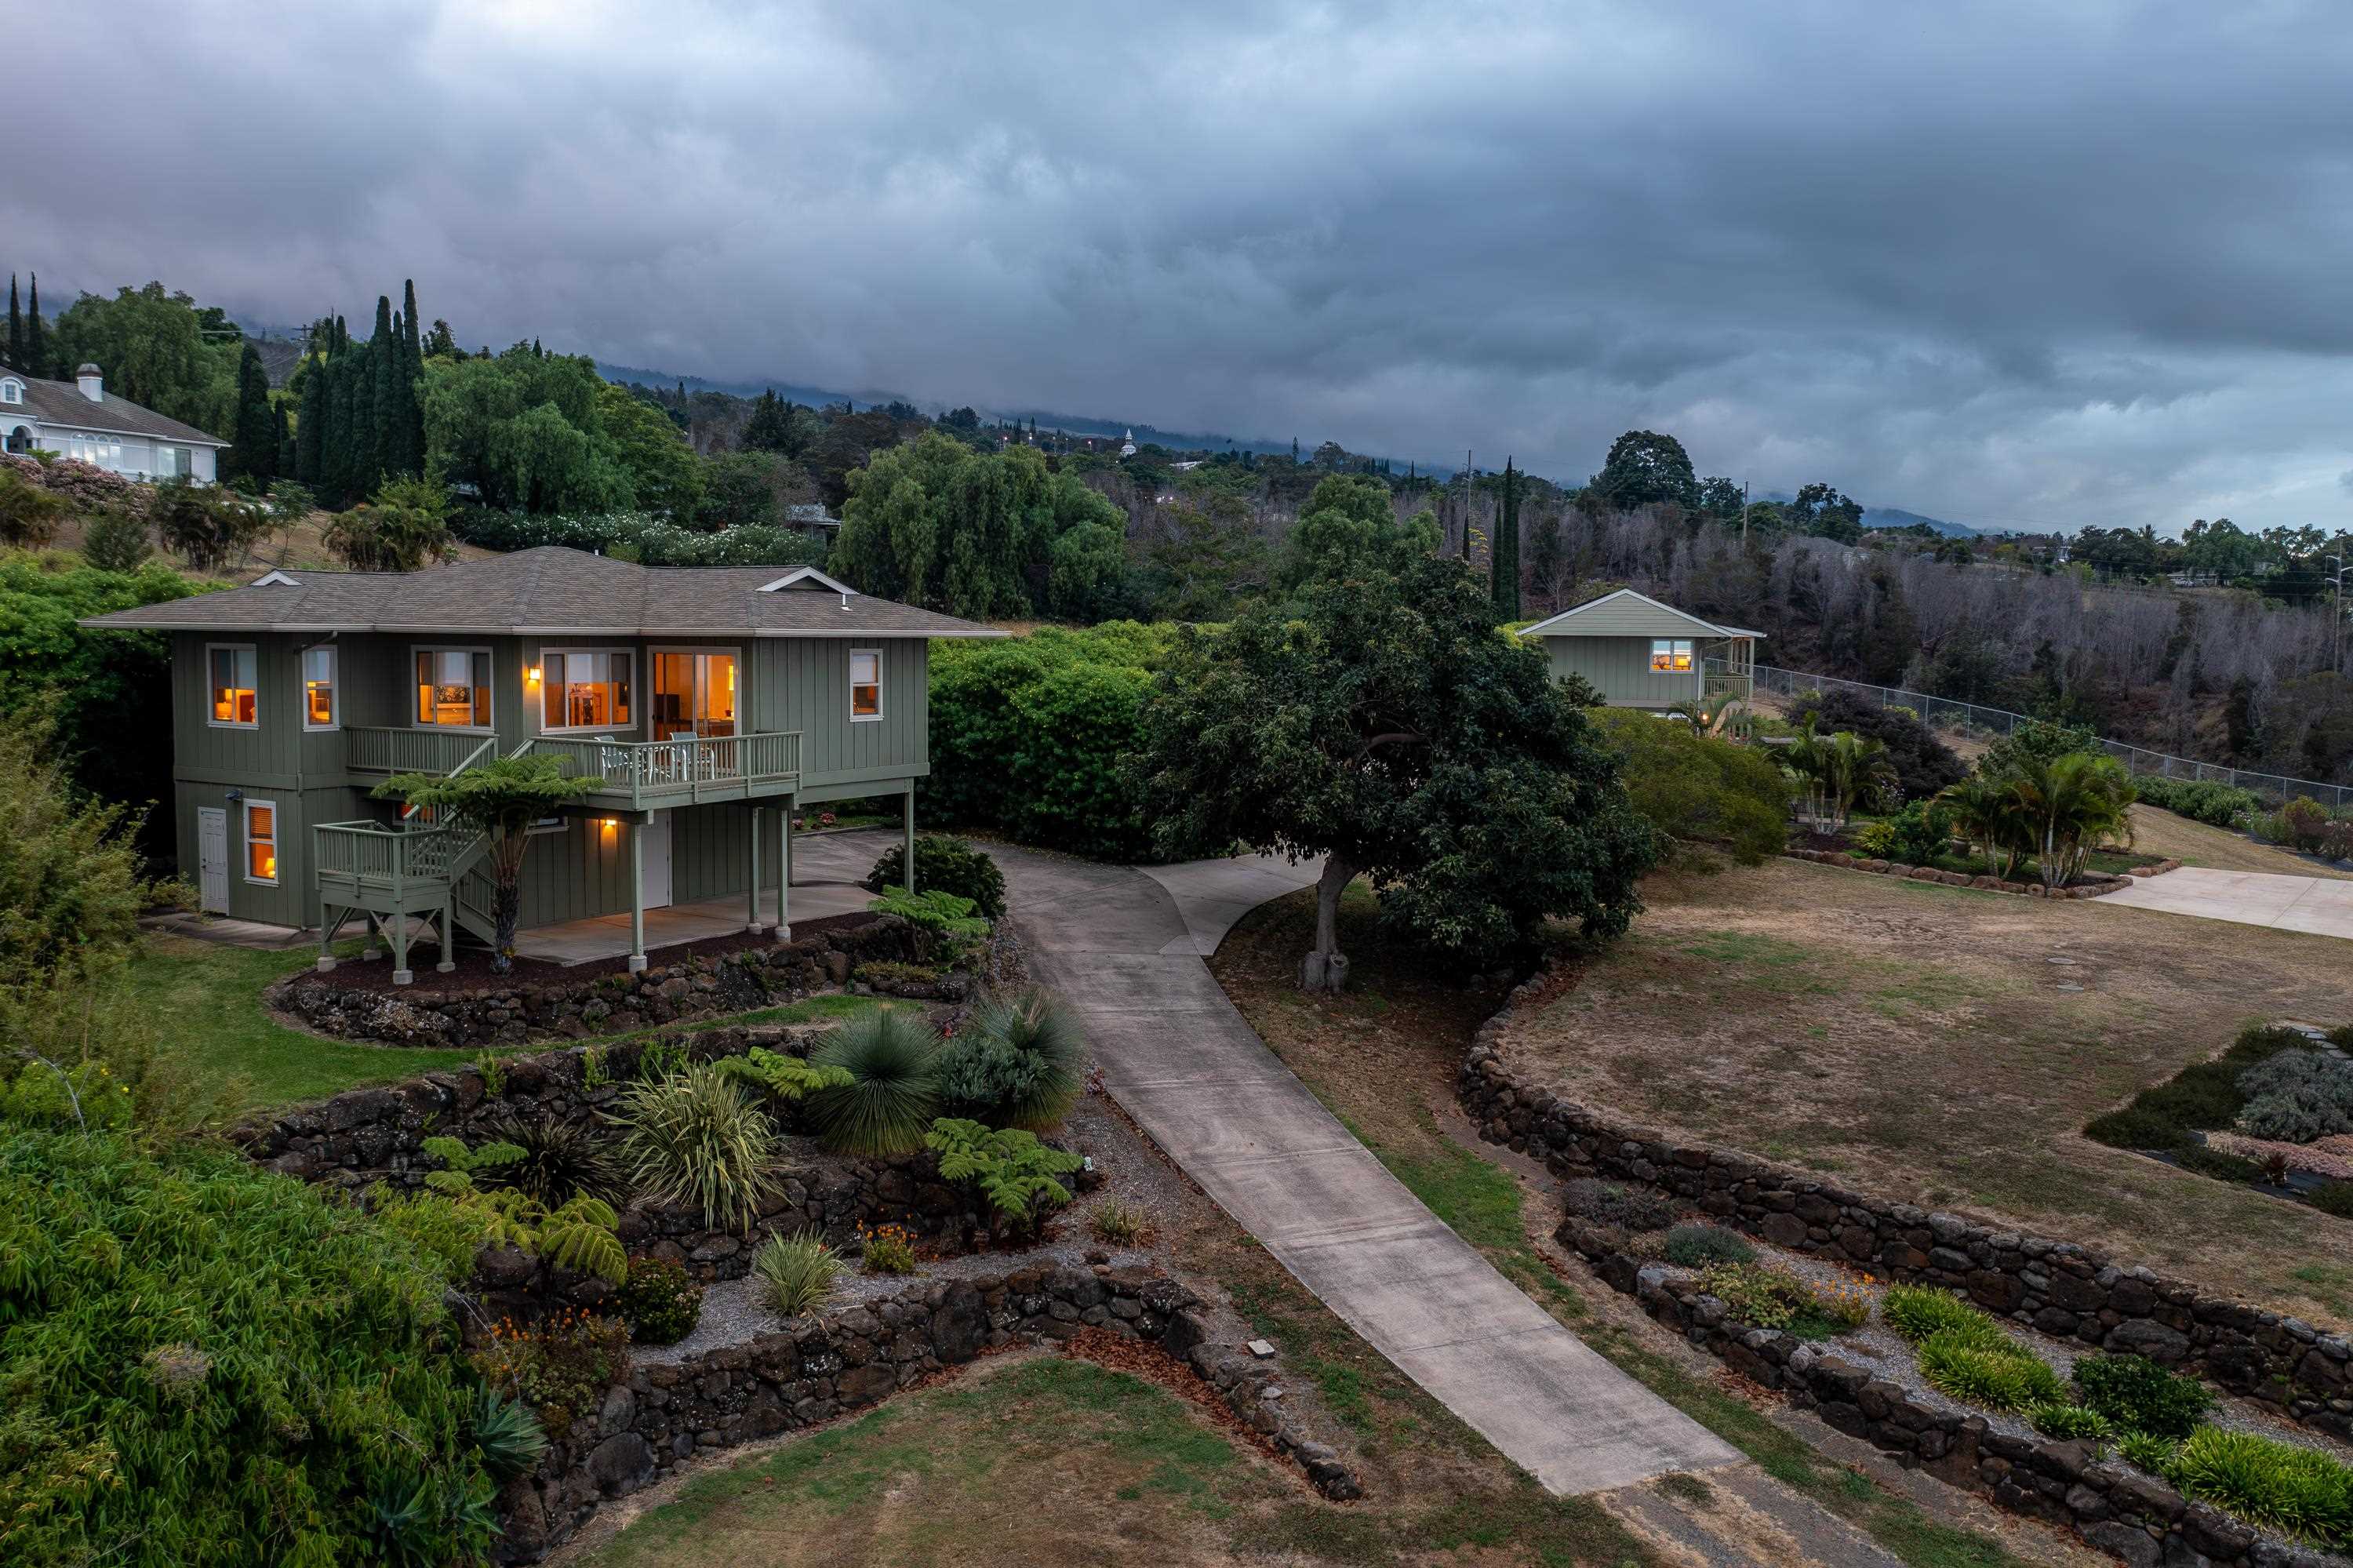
column 814, row 1370
column 2059, row 1287
column 2114, row 1507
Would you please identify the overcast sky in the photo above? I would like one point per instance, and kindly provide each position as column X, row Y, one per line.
column 2003, row 263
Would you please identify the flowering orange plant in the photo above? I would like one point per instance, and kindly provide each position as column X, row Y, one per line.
column 887, row 1249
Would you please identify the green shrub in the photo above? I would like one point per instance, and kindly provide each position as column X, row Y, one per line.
column 2213, row 1162
column 935, row 910
column 1699, row 788
column 2066, row 1423
column 2141, row 1396
column 2279, row 1486
column 2133, row 1128
column 886, row 1249
column 950, row 865
column 797, row 1272
column 2202, row 800
column 506, row 1433
column 1917, row 1312
column 1609, row 1203
column 2297, row 1096
column 1117, row 1222
column 894, row 1092
column 1692, row 1246
column 2150, row 1451
column 116, row 541
column 1921, row 833
column 207, row 1362
column 558, row 1161
column 1923, row 764
column 1011, row 1168
column 560, row 1365
column 1015, row 1061
column 887, row 977
column 694, row 1138
column 2202, row 1097
column 785, row 1080
column 1966, row 1367
column 659, row 1301
column 2333, row 1198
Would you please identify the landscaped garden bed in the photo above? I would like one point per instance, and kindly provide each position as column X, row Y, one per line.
column 2090, row 884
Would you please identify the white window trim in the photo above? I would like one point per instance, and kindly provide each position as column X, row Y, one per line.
column 210, row 721
column 742, row 678
column 12, row 391
column 334, row 688
column 409, row 679
column 1691, row 651
column 245, row 829
column 637, row 691
column 850, row 695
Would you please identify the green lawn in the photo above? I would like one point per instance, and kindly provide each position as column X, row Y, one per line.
column 206, row 999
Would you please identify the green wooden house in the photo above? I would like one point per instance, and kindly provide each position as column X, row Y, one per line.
column 708, row 706
column 1639, row 653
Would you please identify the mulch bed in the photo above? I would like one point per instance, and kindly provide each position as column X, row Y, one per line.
column 474, row 972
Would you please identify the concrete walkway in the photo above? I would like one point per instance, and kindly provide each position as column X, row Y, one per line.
column 1123, row 948
column 2316, row 904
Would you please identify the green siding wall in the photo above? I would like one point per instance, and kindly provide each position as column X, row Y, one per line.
column 1620, row 669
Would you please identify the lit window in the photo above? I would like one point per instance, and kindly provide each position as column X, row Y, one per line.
column 1672, row 656
column 585, row 691
column 260, row 842
column 453, row 687
column 865, row 684
column 232, row 686
column 318, row 688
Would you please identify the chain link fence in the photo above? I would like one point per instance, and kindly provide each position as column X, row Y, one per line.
column 1946, row 713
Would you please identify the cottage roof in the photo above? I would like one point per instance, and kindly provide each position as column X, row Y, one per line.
column 61, row 403
column 547, row 591
column 1629, row 614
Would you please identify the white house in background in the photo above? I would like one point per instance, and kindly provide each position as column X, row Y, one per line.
column 80, row 419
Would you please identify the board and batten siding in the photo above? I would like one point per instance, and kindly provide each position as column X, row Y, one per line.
column 1620, row 669
column 802, row 684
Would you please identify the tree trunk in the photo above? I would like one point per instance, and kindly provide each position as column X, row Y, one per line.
column 1325, row 968
column 506, row 909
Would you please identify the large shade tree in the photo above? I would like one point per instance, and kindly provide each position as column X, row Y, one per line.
column 1377, row 719
column 501, row 798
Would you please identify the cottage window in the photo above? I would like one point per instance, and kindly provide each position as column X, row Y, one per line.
column 173, row 463
column 318, row 688
column 1671, row 655
column 261, row 842
column 585, row 691
column 12, row 390
column 232, row 686
column 865, row 684
column 453, row 687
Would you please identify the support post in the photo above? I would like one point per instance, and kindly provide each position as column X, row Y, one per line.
column 752, row 915
column 369, row 951
column 911, row 835
column 401, row 974
column 785, row 872
column 636, row 896
column 449, row 963
column 326, row 940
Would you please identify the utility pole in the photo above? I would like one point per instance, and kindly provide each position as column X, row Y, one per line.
column 1744, row 516
column 2336, row 620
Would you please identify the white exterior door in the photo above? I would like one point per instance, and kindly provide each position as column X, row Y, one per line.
column 212, row 858
column 656, row 831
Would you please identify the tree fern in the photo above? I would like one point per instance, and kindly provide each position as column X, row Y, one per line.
column 1009, row 1165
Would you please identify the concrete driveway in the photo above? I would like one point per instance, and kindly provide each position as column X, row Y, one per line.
column 2316, row 904
column 1123, row 948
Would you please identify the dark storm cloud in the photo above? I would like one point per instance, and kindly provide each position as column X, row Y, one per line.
column 2004, row 262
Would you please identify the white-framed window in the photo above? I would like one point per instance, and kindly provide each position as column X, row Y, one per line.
column 230, row 667
column 11, row 389
column 865, row 684
column 586, row 689
column 173, row 463
column 453, row 688
column 319, row 710
column 95, row 449
column 1671, row 655
column 261, row 843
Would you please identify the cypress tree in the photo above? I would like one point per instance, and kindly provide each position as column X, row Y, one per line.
column 16, row 327
column 36, row 336
column 413, row 373
column 339, row 442
column 285, row 441
column 384, row 421
column 311, row 426
column 253, row 448
column 1505, row 556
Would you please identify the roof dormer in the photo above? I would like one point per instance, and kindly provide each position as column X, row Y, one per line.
column 11, row 389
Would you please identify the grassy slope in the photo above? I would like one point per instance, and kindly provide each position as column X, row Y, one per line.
column 2195, row 843
column 1917, row 1041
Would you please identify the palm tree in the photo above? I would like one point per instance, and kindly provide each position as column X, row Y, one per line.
column 1853, row 767
column 1802, row 760
column 1983, row 807
column 2068, row 805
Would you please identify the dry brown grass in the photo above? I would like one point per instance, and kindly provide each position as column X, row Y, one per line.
column 2194, row 843
column 1914, row 1042
column 293, row 547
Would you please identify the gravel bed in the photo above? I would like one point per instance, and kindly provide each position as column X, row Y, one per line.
column 1888, row 1355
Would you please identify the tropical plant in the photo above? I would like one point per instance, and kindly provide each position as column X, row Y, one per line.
column 2279, row 1486
column 2064, row 807
column 1982, row 809
column 1015, row 1061
column 501, row 798
column 1117, row 1222
column 1692, row 1246
column 555, row 1160
column 560, row 1365
column 1917, row 1312
column 660, row 1300
column 2067, row 1422
column 1922, row 763
column 2150, row 1452
column 892, row 1060
column 935, row 910
column 785, row 1080
column 2139, row 1395
column 578, row 1234
column 694, row 1138
column 886, row 1249
column 797, row 1272
column 1974, row 1369
column 950, row 865
column 506, row 1434
column 1012, row 1170
column 403, row 526
column 1836, row 773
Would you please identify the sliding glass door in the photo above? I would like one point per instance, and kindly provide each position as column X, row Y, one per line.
column 695, row 695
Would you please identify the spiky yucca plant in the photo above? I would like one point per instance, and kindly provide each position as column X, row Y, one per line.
column 694, row 1137
column 892, row 1060
column 1016, row 1062
column 797, row 1272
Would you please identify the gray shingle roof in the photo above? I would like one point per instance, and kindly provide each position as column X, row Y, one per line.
column 546, row 591
column 61, row 403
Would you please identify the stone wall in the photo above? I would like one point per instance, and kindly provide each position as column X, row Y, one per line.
column 2057, row 1286
column 2093, row 884
column 515, row 1015
column 2112, row 1505
column 362, row 1137
column 814, row 1370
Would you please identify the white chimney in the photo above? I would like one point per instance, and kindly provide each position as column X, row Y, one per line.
column 92, row 385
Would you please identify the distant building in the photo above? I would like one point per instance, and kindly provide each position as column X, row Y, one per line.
column 809, row 514
column 1127, row 444
column 80, row 419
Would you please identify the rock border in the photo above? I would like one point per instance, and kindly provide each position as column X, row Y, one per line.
column 1982, row 884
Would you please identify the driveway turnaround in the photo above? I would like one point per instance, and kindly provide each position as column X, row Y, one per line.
column 1125, row 948
column 2321, row 905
